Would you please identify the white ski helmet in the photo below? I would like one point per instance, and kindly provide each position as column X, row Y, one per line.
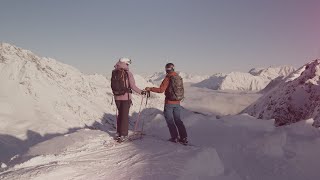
column 125, row 60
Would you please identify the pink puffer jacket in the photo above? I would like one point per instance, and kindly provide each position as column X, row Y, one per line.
column 121, row 65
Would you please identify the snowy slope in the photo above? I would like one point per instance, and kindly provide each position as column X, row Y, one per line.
column 296, row 98
column 267, row 152
column 254, row 80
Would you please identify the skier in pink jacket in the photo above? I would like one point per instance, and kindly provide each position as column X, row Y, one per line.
column 123, row 83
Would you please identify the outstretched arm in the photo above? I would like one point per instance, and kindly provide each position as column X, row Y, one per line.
column 162, row 88
column 132, row 83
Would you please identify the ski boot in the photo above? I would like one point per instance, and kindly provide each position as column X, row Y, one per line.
column 123, row 139
column 116, row 137
column 174, row 140
column 184, row 141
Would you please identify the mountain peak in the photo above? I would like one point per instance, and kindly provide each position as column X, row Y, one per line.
column 294, row 99
column 7, row 46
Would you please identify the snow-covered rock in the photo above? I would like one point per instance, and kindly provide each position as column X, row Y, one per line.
column 294, row 99
column 254, row 80
column 3, row 165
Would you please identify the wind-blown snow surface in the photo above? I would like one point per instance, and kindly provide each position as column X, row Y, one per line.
column 237, row 147
column 254, row 80
column 234, row 148
column 296, row 98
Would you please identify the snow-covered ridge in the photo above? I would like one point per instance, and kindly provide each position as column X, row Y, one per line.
column 295, row 98
column 254, row 80
column 157, row 77
column 272, row 72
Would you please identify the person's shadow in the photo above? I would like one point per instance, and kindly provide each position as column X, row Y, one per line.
column 12, row 147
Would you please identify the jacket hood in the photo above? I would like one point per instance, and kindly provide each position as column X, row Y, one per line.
column 121, row 65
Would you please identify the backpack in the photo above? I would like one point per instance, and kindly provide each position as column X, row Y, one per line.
column 175, row 90
column 119, row 81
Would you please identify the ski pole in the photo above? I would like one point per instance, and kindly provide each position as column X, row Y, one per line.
column 117, row 117
column 138, row 119
column 148, row 96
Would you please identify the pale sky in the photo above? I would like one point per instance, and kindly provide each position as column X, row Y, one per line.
column 199, row 36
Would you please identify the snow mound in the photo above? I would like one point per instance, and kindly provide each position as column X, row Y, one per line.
column 296, row 98
column 254, row 80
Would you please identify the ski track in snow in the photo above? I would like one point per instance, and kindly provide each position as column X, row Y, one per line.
column 99, row 156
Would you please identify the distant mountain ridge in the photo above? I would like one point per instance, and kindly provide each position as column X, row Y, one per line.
column 255, row 80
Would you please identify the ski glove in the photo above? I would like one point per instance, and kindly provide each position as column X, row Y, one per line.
column 143, row 92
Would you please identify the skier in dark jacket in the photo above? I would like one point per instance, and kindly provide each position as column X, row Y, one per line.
column 124, row 102
column 172, row 108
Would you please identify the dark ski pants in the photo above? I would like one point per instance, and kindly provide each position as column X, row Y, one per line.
column 123, row 117
column 173, row 118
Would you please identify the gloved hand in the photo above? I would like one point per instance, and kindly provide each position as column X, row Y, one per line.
column 144, row 92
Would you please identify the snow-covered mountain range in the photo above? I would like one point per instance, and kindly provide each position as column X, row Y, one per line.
column 293, row 99
column 254, row 80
